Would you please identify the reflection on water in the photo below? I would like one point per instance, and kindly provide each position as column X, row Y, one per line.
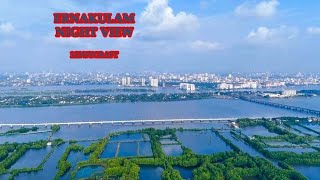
column 186, row 173
column 311, row 172
column 245, row 147
column 127, row 137
column 168, row 141
column 304, row 130
column 25, row 138
column 89, row 171
column 32, row 158
column 172, row 150
column 49, row 168
column 297, row 150
column 128, row 149
column 210, row 142
column 109, row 151
column 305, row 102
column 150, row 172
column 75, row 157
column 257, row 130
column 209, row 108
column 145, row 149
column 315, row 127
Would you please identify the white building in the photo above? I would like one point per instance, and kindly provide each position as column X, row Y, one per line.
column 154, row 82
column 143, row 82
column 187, row 87
column 191, row 87
column 288, row 93
column 125, row 81
column 225, row 86
column 183, row 85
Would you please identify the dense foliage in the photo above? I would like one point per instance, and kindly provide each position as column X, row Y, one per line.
column 227, row 165
column 55, row 128
column 310, row 158
column 20, row 130
column 64, row 165
column 64, row 100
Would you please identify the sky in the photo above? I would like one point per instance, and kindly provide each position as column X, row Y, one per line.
column 170, row 36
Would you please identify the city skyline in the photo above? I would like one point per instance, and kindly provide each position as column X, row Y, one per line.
column 205, row 35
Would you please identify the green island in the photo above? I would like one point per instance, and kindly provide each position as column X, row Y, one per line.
column 19, row 131
column 67, row 100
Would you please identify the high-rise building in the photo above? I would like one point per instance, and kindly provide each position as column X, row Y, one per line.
column 154, row 82
column 188, row 87
column 191, row 87
column 143, row 82
column 125, row 81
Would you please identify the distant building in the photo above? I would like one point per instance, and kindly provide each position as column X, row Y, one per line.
column 247, row 85
column 284, row 94
column 187, row 87
column 154, row 82
column 225, row 86
column 191, row 87
column 288, row 93
column 125, row 81
column 143, row 82
column 163, row 84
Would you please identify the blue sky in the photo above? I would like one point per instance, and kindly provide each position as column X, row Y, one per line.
column 170, row 35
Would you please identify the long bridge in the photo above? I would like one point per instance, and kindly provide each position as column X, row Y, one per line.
column 283, row 106
column 123, row 122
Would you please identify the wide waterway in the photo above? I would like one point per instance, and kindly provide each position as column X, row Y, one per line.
column 209, row 108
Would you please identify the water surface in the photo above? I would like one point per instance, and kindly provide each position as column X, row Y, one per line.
column 257, row 130
column 311, row 172
column 210, row 142
column 172, row 150
column 89, row 171
column 150, row 172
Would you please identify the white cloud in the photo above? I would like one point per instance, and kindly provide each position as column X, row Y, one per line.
column 272, row 35
column 262, row 9
column 313, row 30
column 158, row 19
column 6, row 27
column 206, row 45
column 10, row 30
